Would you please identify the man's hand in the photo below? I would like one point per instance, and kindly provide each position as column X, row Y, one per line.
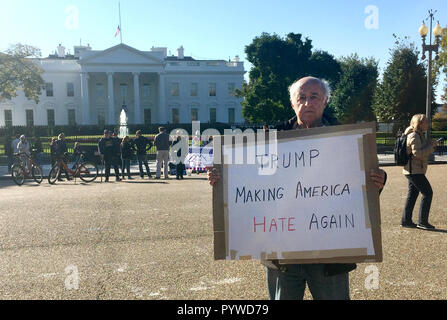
column 378, row 177
column 213, row 176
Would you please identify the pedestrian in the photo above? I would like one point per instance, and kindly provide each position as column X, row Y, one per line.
column 309, row 97
column 53, row 151
column 161, row 142
column 178, row 155
column 14, row 149
column 62, row 155
column 14, row 144
column 142, row 145
column 108, row 151
column 126, row 155
column 419, row 149
column 76, row 154
column 37, row 149
column 8, row 152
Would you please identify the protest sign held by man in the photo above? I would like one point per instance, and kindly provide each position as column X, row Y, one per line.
column 309, row 97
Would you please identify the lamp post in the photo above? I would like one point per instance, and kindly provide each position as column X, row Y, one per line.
column 423, row 31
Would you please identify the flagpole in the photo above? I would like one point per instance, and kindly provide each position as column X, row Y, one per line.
column 121, row 29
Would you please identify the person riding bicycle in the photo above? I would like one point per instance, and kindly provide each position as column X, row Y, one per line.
column 61, row 154
column 23, row 148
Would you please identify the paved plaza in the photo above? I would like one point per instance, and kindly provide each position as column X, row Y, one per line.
column 153, row 239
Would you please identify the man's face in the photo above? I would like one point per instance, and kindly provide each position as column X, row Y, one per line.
column 310, row 103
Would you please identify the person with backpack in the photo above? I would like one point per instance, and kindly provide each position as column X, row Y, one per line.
column 419, row 149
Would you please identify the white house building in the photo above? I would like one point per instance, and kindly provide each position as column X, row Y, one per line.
column 91, row 86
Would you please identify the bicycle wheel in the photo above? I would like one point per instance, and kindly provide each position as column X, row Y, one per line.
column 17, row 174
column 88, row 171
column 54, row 174
column 36, row 172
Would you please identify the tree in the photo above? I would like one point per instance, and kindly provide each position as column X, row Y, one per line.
column 353, row 95
column 440, row 65
column 19, row 72
column 277, row 62
column 402, row 91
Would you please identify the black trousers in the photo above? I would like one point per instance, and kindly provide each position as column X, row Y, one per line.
column 179, row 170
column 417, row 183
column 108, row 163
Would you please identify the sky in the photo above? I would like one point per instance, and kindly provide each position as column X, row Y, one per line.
column 210, row 29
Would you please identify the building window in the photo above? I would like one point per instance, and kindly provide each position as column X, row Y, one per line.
column 29, row 117
column 194, row 89
column 101, row 117
column 147, row 116
column 99, row 90
column 194, row 114
column 230, row 115
column 50, row 118
column 175, row 116
column 231, row 87
column 146, row 90
column 175, row 89
column 49, row 89
column 123, row 90
column 8, row 118
column 72, row 117
column 70, row 89
column 213, row 115
column 212, row 91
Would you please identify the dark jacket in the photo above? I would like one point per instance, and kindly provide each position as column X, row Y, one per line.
column 161, row 141
column 127, row 150
column 177, row 148
column 330, row 269
column 61, row 148
column 108, row 147
column 142, row 144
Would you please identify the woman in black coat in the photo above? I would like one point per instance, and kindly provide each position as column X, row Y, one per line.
column 126, row 155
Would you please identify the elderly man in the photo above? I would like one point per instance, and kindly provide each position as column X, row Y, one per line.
column 308, row 96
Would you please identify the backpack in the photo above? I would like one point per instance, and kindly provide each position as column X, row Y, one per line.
column 401, row 157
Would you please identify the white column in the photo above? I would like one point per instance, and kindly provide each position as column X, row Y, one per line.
column 111, row 97
column 162, row 99
column 85, row 108
column 136, row 95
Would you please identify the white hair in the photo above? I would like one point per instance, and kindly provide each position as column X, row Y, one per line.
column 295, row 86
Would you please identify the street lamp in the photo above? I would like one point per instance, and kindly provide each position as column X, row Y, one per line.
column 423, row 31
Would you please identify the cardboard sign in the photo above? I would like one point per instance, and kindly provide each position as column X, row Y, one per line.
column 298, row 196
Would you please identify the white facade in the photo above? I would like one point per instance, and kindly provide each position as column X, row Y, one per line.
column 90, row 88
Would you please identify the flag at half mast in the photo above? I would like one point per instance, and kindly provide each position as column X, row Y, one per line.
column 118, row 30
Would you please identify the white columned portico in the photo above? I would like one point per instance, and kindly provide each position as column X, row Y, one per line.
column 162, row 99
column 111, row 98
column 85, row 108
column 136, row 94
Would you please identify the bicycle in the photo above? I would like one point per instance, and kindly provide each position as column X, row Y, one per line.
column 24, row 167
column 86, row 170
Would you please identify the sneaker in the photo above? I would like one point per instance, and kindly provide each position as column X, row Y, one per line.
column 408, row 225
column 425, row 226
